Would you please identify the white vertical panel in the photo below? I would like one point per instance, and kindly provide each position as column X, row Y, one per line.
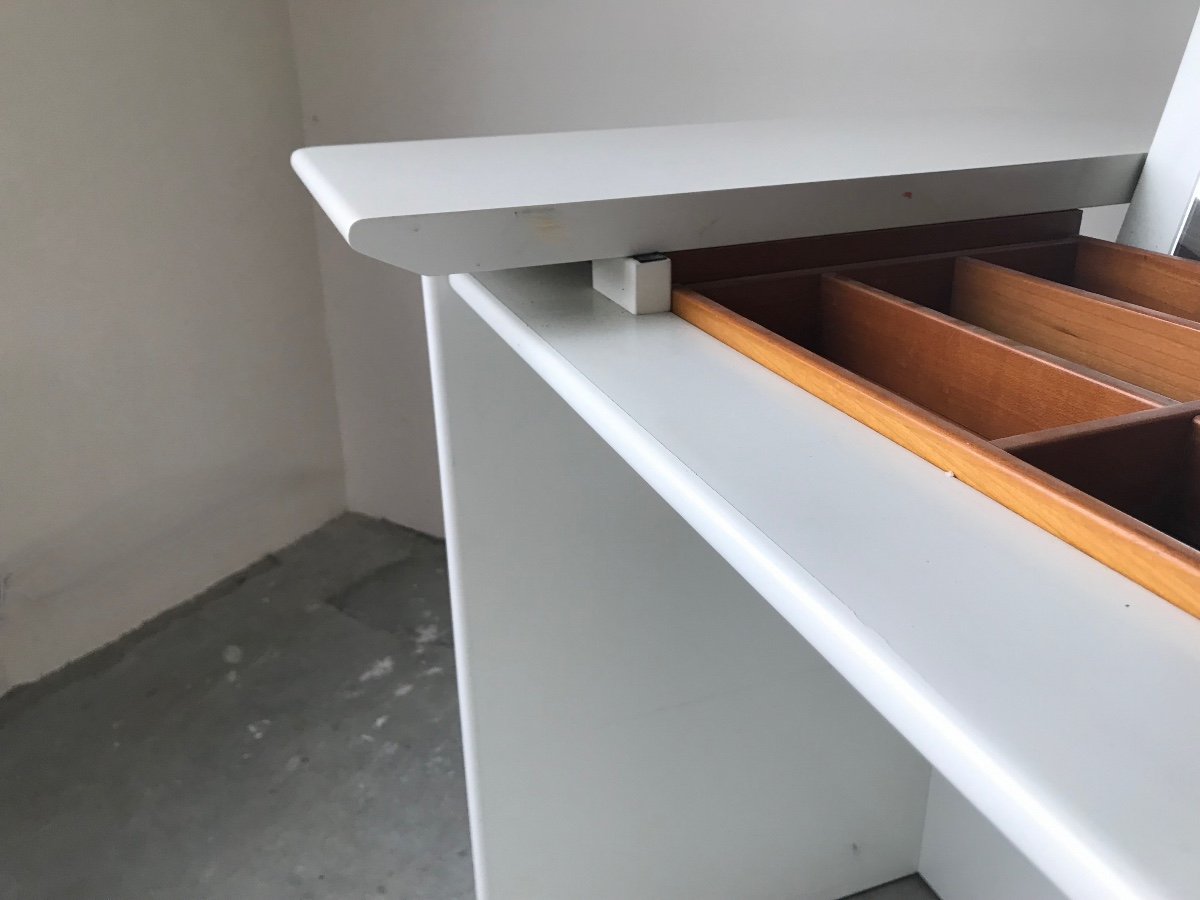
column 964, row 857
column 1169, row 180
column 640, row 723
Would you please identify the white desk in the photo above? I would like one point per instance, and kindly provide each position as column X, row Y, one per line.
column 715, row 638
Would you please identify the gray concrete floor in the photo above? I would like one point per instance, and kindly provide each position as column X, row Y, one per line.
column 292, row 733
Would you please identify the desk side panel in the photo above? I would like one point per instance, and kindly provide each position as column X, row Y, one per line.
column 639, row 722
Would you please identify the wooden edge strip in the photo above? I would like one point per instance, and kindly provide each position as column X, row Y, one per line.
column 1018, row 442
column 1143, row 554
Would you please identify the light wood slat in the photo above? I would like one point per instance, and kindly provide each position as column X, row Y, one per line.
column 788, row 302
column 1018, row 442
column 1155, row 561
column 1053, row 260
column 1156, row 281
column 1158, row 352
column 977, row 380
column 925, row 279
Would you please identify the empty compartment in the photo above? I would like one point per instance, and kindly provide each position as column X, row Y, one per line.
column 986, row 384
column 1147, row 467
column 1162, row 283
column 788, row 305
column 929, row 280
column 1156, row 351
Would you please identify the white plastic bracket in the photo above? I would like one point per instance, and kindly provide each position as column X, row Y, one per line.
column 638, row 284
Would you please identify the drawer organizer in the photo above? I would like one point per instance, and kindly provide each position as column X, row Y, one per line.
column 1059, row 375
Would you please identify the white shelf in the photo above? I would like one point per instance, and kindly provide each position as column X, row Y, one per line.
column 475, row 204
column 1057, row 696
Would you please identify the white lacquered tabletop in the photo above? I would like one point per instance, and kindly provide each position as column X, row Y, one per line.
column 471, row 204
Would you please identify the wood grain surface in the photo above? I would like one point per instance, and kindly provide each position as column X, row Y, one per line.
column 1156, row 281
column 1146, row 348
column 986, row 384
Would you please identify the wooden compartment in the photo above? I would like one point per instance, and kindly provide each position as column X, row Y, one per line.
column 987, row 349
column 1159, row 351
column 988, row 385
column 1155, row 281
column 1146, row 466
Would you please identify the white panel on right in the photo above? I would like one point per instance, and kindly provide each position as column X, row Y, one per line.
column 964, row 857
column 1172, row 172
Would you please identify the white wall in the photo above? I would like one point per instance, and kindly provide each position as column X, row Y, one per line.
column 401, row 69
column 166, row 402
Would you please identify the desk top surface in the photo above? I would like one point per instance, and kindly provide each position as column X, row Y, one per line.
column 469, row 204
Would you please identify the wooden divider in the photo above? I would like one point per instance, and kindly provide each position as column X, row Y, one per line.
column 927, row 279
column 788, row 302
column 1137, row 550
column 1053, row 260
column 1147, row 465
column 790, row 306
column 1019, row 442
column 1156, row 281
column 984, row 383
column 1158, row 352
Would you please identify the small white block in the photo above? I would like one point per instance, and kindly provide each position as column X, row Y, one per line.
column 638, row 284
